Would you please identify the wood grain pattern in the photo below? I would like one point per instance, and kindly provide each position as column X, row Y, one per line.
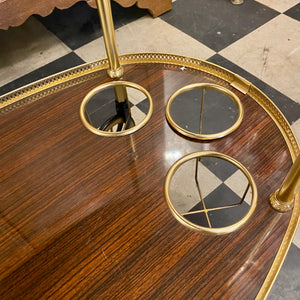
column 84, row 216
column 15, row 12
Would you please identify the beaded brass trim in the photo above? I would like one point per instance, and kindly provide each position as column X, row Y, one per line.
column 280, row 206
column 49, row 85
column 282, row 251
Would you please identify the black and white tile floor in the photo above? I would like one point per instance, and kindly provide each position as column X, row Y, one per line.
column 259, row 40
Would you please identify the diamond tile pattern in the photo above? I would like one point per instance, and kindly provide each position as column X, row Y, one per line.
column 289, row 107
column 294, row 12
column 264, row 51
column 64, row 62
column 280, row 6
column 80, row 24
column 198, row 18
column 259, row 40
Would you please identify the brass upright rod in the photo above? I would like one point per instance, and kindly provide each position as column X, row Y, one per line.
column 104, row 9
column 283, row 199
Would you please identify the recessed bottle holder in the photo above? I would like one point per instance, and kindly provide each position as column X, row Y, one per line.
column 200, row 135
column 121, row 122
column 200, row 218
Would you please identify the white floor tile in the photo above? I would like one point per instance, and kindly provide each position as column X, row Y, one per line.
column 26, row 48
column 297, row 237
column 271, row 53
column 296, row 129
column 279, row 5
column 148, row 35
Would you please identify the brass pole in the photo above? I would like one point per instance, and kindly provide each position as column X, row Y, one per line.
column 115, row 69
column 104, row 9
column 283, row 199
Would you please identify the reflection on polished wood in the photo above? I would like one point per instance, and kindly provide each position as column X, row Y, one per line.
column 85, row 216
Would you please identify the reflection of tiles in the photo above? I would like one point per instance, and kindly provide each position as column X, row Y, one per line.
column 143, row 106
column 271, row 53
column 220, row 197
column 105, row 112
column 221, row 168
column 137, row 115
column 135, row 96
column 101, row 106
column 186, row 107
column 215, row 193
column 238, row 183
column 183, row 189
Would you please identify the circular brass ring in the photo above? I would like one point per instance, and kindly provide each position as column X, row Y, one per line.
column 200, row 136
column 106, row 86
column 203, row 229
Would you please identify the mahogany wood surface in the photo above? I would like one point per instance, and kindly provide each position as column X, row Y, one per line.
column 85, row 216
column 16, row 12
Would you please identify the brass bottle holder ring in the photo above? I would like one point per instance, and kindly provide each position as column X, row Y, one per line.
column 200, row 135
column 114, row 84
column 210, row 229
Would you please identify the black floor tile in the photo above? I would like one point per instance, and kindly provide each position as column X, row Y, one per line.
column 218, row 23
column 288, row 107
column 220, row 167
column 63, row 63
column 294, row 12
column 287, row 284
column 80, row 24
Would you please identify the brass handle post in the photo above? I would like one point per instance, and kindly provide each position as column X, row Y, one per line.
column 115, row 69
column 283, row 199
column 104, row 9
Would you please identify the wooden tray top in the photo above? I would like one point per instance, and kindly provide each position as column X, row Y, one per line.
column 85, row 216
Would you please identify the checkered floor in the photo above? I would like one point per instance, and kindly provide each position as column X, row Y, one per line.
column 258, row 40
